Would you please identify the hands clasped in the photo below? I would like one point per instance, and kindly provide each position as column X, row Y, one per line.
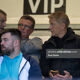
column 56, row 76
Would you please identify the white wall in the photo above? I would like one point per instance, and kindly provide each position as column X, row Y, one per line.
column 14, row 9
column 73, row 10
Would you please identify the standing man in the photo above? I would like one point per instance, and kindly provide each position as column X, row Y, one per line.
column 30, row 46
column 3, row 18
column 62, row 37
column 13, row 66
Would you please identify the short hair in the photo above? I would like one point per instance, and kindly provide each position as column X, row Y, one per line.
column 27, row 17
column 60, row 16
column 3, row 12
column 13, row 32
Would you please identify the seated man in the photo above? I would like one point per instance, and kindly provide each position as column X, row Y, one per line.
column 62, row 37
column 30, row 46
column 13, row 66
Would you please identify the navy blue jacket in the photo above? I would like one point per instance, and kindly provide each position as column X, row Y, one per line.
column 34, row 72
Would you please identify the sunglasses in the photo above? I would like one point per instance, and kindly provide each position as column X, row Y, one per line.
column 25, row 26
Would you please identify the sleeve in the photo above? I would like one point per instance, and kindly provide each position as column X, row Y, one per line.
column 35, row 72
column 44, row 62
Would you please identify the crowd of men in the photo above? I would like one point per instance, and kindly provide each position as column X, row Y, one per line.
column 22, row 58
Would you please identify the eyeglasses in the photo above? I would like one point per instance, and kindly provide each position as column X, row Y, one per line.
column 25, row 26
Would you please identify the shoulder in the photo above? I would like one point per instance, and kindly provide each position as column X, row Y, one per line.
column 72, row 34
column 36, row 38
column 49, row 41
column 77, row 37
column 34, row 71
column 36, row 41
column 31, row 60
column 75, row 40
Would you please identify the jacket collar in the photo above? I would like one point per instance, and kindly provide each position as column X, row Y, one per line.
column 70, row 35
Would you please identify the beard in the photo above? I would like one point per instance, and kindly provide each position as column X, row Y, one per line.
column 7, row 51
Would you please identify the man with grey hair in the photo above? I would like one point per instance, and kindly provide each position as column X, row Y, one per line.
column 63, row 37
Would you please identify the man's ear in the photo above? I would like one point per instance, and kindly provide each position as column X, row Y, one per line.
column 16, row 43
column 63, row 25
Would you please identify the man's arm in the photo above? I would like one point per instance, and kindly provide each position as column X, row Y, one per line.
column 34, row 72
column 44, row 62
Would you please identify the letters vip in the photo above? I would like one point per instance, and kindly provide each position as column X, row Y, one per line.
column 43, row 6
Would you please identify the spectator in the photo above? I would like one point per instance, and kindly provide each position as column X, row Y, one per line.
column 63, row 37
column 13, row 66
column 30, row 46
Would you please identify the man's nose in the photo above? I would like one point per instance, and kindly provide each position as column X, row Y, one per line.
column 23, row 27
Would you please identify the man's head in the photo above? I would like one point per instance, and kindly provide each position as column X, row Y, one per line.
column 10, row 41
column 59, row 23
column 2, row 20
column 26, row 25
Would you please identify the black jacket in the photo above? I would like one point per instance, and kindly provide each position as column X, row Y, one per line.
column 69, row 41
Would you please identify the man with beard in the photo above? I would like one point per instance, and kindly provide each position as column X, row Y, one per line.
column 3, row 16
column 13, row 66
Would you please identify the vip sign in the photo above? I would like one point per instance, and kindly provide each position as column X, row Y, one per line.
column 43, row 6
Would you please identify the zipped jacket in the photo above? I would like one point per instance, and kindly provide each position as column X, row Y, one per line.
column 27, row 69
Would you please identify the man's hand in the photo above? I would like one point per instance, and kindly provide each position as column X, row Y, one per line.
column 58, row 76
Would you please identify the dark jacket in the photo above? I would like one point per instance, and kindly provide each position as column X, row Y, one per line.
column 34, row 72
column 69, row 41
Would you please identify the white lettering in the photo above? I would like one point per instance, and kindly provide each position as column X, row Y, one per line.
column 53, row 5
column 34, row 7
column 45, row 6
